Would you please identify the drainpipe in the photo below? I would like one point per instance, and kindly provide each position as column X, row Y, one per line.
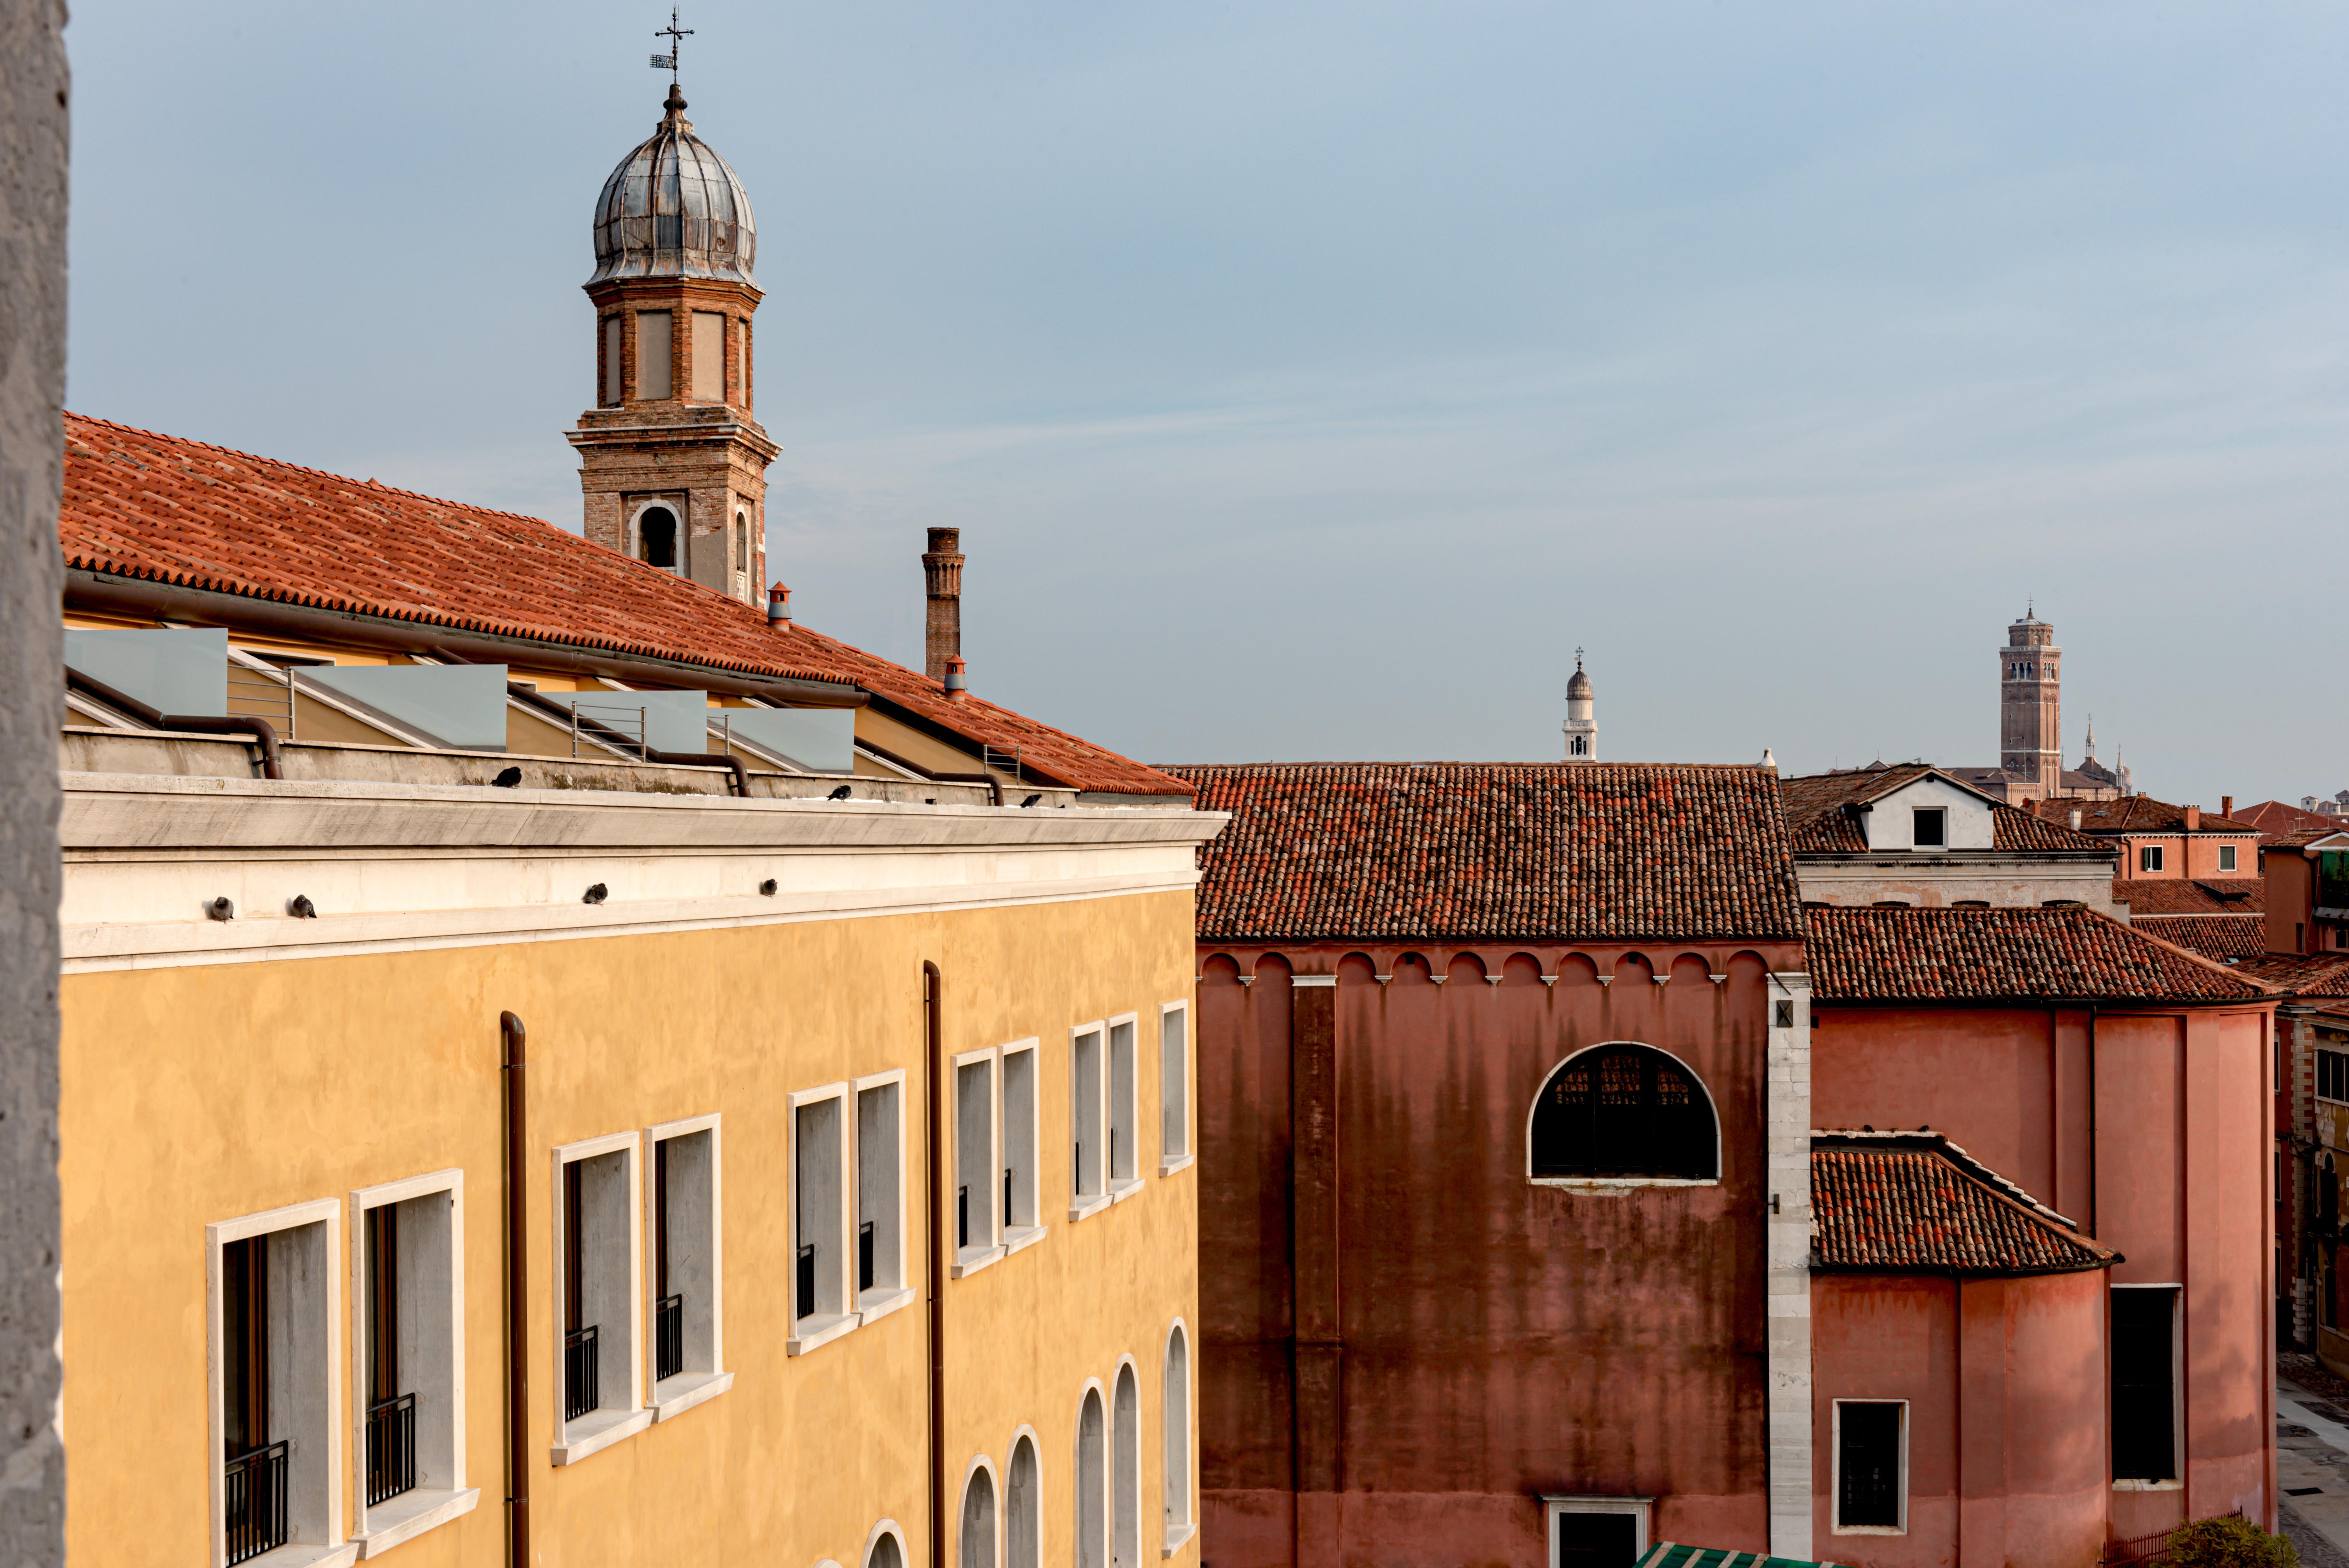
column 2092, row 1120
column 932, row 1074
column 517, row 1299
column 261, row 729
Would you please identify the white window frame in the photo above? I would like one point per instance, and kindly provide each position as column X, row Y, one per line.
column 673, row 1396
column 315, row 1536
column 1093, row 1554
column 601, row 1427
column 1176, row 1145
column 2178, row 1454
column 1126, row 1489
column 889, row 1529
column 1125, row 1103
column 1917, row 814
column 1018, row 1133
column 1638, row 1508
column 1179, row 1502
column 1835, row 1526
column 2148, row 858
column 820, row 1329
column 2227, row 857
column 980, row 1465
column 1023, row 1433
column 986, row 1243
column 384, row 1525
column 878, row 1303
column 1089, row 1113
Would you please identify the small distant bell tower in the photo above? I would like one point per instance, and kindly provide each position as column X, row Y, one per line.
column 1581, row 728
column 2030, row 709
column 673, row 467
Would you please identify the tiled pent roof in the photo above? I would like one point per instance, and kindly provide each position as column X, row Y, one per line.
column 2219, row 936
column 2303, row 976
column 2191, row 895
column 1818, row 824
column 164, row 509
column 2277, row 817
column 2034, row 955
column 2135, row 814
column 1916, row 1203
column 1367, row 850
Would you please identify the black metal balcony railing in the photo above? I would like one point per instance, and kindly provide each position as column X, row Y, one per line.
column 803, row 1296
column 580, row 1385
column 668, row 1336
column 255, row 1497
column 390, row 1447
column 865, row 1255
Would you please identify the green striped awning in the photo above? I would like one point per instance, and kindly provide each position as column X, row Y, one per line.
column 1671, row 1554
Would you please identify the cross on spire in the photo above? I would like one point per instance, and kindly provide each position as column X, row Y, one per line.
column 1577, row 656
column 674, row 33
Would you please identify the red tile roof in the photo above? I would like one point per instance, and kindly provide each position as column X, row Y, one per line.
column 161, row 508
column 2000, row 954
column 2276, row 817
column 1916, row 1203
column 2301, row 976
column 1818, row 824
column 2191, row 895
column 2219, row 936
column 1369, row 850
column 2134, row 814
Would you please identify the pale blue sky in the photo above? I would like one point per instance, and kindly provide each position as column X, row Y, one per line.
column 1309, row 379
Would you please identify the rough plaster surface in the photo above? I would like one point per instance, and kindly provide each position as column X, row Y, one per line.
column 33, row 134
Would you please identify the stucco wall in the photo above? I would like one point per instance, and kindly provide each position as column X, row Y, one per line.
column 32, row 135
column 202, row 1093
column 1499, row 1340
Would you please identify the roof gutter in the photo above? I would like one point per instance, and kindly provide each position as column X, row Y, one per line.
column 100, row 592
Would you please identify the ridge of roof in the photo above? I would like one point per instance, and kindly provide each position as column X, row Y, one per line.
column 2135, row 814
column 1820, row 821
column 2316, row 975
column 1917, row 1203
column 585, row 594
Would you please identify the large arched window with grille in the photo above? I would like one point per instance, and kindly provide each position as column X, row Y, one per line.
column 1621, row 1112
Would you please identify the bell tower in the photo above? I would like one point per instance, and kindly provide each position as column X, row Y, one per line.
column 672, row 466
column 2029, row 708
column 1582, row 721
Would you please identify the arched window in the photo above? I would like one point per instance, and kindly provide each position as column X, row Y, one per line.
column 1092, row 1483
column 656, row 537
column 1178, row 1466
column 1625, row 1110
column 978, row 1520
column 885, row 1551
column 1126, row 1483
column 742, row 541
column 1022, row 1497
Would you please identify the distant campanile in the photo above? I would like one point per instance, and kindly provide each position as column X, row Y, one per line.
column 1581, row 728
column 2029, row 705
column 673, row 466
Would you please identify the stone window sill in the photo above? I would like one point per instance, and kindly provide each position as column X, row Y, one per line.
column 1119, row 1191
column 970, row 1260
column 1090, row 1203
column 1177, row 1537
column 409, row 1515
column 812, row 1333
column 595, row 1431
column 1021, row 1236
column 1177, row 1162
column 2148, row 1486
column 675, row 1396
column 878, row 1304
column 307, row 1554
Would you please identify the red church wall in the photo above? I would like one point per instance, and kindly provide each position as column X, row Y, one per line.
column 1508, row 1341
column 2179, row 1185
column 2002, row 1466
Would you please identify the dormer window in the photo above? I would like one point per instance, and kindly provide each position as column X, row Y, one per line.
column 1932, row 828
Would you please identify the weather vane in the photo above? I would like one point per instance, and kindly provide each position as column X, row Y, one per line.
column 673, row 33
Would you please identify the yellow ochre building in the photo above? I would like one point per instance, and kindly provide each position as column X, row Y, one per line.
column 563, row 1065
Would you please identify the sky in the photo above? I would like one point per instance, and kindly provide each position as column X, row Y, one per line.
column 1310, row 381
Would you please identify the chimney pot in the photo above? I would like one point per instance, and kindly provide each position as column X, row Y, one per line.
column 956, row 691
column 2193, row 819
column 942, row 579
column 2226, row 805
column 2075, row 820
column 779, row 605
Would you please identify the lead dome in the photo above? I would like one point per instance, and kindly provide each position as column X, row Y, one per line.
column 673, row 209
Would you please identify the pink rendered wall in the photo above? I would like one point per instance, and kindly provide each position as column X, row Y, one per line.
column 2003, row 1468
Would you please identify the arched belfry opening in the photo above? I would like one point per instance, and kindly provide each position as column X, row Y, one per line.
column 1623, row 1111
column 656, row 537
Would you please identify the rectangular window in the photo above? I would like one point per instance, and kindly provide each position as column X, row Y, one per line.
column 746, row 362
column 822, row 1264
column 2225, row 857
column 2333, row 1075
column 977, row 1168
column 708, row 356
column 1124, row 1113
column 612, row 365
column 1022, row 1212
column 2144, row 1383
column 1932, row 829
column 408, row 1325
column 597, row 1294
column 1871, row 1490
column 1596, row 1532
column 1087, row 1114
column 270, row 1281
column 653, row 353
column 688, row 1282
column 881, row 1194
column 2148, row 858
column 1173, row 1088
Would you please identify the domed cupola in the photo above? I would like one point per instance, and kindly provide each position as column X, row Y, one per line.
column 673, row 209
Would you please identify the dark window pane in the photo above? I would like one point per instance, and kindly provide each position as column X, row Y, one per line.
column 1597, row 1540
column 1624, row 1110
column 1868, row 1456
column 2144, row 1414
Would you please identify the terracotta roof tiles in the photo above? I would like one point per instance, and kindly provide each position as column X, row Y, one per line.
column 2134, row 814
column 1372, row 851
column 2219, row 936
column 2301, row 976
column 2191, row 895
column 2037, row 955
column 1916, row 1203
column 1818, row 824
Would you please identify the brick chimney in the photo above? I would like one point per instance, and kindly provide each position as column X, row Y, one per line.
column 941, row 573
column 2226, row 805
column 2193, row 819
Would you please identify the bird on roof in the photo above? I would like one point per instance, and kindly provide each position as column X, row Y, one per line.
column 839, row 794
